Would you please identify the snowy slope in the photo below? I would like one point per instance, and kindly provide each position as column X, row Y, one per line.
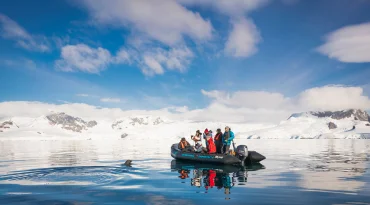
column 149, row 128
column 308, row 126
column 139, row 127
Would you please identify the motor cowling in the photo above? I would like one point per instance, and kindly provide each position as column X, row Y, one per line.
column 242, row 153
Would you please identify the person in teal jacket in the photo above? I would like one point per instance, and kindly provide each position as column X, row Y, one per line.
column 227, row 138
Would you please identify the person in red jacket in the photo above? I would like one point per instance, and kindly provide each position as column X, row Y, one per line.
column 211, row 147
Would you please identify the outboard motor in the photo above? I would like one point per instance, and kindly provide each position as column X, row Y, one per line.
column 242, row 153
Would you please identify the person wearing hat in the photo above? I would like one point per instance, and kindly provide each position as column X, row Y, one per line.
column 227, row 138
column 218, row 141
column 196, row 138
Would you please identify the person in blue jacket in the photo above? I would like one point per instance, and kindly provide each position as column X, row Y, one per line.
column 227, row 138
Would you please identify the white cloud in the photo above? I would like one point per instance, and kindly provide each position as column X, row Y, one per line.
column 83, row 58
column 328, row 98
column 231, row 8
column 152, row 66
column 334, row 98
column 249, row 99
column 158, row 30
column 154, row 61
column 244, row 35
column 122, row 56
column 349, row 44
column 241, row 106
column 162, row 20
column 82, row 95
column 10, row 29
column 151, row 61
column 243, row 39
column 178, row 58
column 110, row 100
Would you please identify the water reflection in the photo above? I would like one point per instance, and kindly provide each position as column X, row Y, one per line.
column 297, row 172
column 212, row 176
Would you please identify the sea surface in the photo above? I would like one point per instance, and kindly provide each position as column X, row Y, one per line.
column 93, row 172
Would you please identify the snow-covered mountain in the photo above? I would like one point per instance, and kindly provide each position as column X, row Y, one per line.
column 313, row 125
column 316, row 125
column 338, row 115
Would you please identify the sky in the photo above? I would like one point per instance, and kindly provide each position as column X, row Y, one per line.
column 244, row 58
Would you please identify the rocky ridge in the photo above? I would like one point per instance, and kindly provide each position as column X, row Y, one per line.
column 357, row 114
column 68, row 122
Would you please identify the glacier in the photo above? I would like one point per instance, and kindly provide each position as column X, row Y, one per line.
column 48, row 124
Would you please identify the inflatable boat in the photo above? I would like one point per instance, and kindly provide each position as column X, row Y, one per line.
column 242, row 156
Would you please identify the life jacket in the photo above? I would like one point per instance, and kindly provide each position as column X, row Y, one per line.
column 218, row 136
column 211, row 146
column 183, row 144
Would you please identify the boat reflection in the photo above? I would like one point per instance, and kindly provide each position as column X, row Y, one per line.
column 212, row 176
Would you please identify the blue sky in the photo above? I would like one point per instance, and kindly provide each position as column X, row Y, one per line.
column 149, row 55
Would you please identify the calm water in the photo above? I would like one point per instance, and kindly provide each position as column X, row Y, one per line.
column 92, row 172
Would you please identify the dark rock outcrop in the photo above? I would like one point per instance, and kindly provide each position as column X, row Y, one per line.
column 68, row 122
column 338, row 115
column 124, row 135
column 135, row 121
column 158, row 121
column 357, row 114
column 139, row 121
column 331, row 125
column 6, row 124
column 115, row 124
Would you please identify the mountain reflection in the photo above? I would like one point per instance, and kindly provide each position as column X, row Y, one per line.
column 211, row 176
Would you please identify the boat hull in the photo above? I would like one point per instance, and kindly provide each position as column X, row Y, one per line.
column 253, row 157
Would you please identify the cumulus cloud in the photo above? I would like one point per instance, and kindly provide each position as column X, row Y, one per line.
column 10, row 29
column 244, row 35
column 249, row 99
column 110, row 100
column 164, row 20
column 327, row 98
column 243, row 39
column 155, row 60
column 333, row 98
column 158, row 31
column 150, row 60
column 350, row 44
column 231, row 8
column 83, row 58
column 159, row 28
column 122, row 56
column 241, row 106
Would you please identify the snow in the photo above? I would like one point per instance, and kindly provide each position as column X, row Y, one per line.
column 139, row 128
column 307, row 126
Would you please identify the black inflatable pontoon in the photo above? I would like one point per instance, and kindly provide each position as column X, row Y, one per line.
column 242, row 156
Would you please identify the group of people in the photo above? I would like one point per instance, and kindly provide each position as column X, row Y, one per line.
column 220, row 144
